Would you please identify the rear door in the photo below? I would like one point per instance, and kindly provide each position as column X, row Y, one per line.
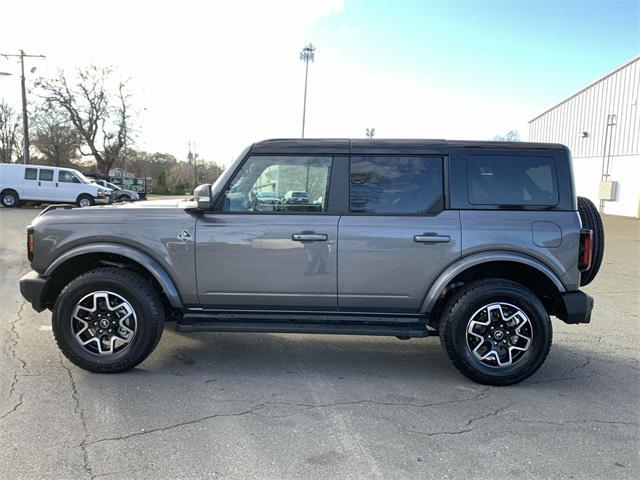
column 30, row 190
column 44, row 189
column 396, row 237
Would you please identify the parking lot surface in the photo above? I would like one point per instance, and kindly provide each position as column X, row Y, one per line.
column 255, row 406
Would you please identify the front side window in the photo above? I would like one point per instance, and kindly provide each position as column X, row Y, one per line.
column 46, row 175
column 280, row 184
column 512, row 180
column 396, row 185
column 67, row 177
column 31, row 174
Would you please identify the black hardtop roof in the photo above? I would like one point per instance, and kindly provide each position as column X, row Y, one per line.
column 399, row 146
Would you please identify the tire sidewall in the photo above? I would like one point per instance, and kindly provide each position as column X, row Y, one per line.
column 145, row 328
column 13, row 196
column 540, row 323
column 87, row 197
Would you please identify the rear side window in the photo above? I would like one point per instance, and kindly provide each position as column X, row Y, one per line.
column 512, row 180
column 67, row 177
column 396, row 185
column 46, row 175
column 30, row 173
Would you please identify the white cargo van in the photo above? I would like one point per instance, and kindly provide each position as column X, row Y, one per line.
column 48, row 184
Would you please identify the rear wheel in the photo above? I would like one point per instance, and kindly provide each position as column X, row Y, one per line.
column 496, row 332
column 108, row 320
column 9, row 198
column 590, row 218
column 85, row 201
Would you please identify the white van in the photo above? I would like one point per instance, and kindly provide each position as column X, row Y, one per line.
column 48, row 184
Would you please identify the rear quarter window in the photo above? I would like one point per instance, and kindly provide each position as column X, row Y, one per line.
column 512, row 180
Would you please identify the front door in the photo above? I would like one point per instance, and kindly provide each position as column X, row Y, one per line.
column 264, row 248
column 68, row 186
column 397, row 236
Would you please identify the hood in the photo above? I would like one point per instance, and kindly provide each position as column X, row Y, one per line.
column 165, row 203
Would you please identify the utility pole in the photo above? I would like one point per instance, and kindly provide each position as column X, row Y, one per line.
column 195, row 166
column 189, row 159
column 25, row 118
column 306, row 54
column 370, row 132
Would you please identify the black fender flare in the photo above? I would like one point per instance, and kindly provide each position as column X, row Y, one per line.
column 462, row 264
column 151, row 265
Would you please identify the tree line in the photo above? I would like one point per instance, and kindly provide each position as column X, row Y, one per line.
column 86, row 120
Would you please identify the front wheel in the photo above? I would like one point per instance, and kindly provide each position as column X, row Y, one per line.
column 496, row 332
column 108, row 320
column 85, row 201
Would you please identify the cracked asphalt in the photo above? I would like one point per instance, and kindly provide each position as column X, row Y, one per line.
column 261, row 406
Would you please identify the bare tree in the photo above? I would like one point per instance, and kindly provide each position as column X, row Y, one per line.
column 99, row 112
column 55, row 136
column 510, row 136
column 9, row 123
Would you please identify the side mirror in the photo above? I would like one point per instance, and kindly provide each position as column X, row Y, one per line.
column 202, row 196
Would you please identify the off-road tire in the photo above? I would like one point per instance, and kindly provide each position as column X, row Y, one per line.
column 459, row 309
column 9, row 199
column 142, row 296
column 590, row 218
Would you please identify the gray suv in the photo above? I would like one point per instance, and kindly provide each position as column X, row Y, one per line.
column 475, row 242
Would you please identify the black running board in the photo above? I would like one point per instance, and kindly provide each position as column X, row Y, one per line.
column 321, row 324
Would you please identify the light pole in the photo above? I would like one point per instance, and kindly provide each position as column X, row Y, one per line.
column 370, row 132
column 25, row 118
column 306, row 54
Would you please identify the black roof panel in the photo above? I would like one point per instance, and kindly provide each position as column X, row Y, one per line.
column 346, row 146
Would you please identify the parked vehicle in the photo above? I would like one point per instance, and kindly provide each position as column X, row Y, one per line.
column 19, row 182
column 296, row 197
column 137, row 185
column 118, row 194
column 268, row 198
column 476, row 242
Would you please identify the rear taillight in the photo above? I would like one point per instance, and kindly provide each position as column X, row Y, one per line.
column 586, row 249
column 31, row 244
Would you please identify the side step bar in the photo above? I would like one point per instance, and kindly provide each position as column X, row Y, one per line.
column 322, row 324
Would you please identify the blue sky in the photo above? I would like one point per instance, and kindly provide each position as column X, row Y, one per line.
column 225, row 74
column 543, row 51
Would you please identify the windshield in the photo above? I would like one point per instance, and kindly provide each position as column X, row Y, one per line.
column 82, row 178
column 112, row 186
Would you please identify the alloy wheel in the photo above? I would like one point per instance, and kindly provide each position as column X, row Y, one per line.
column 499, row 334
column 104, row 323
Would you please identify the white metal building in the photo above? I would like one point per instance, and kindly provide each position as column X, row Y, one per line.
column 601, row 126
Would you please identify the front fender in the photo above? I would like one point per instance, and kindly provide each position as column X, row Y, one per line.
column 154, row 268
column 464, row 263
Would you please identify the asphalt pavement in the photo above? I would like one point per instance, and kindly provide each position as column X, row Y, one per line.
column 273, row 406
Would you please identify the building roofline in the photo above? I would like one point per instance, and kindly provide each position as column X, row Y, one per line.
column 633, row 60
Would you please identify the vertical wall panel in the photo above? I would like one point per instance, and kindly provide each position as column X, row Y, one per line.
column 587, row 111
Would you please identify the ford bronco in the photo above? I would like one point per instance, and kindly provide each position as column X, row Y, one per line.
column 478, row 243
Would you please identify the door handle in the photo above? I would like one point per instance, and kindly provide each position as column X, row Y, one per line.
column 431, row 238
column 39, row 184
column 309, row 237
